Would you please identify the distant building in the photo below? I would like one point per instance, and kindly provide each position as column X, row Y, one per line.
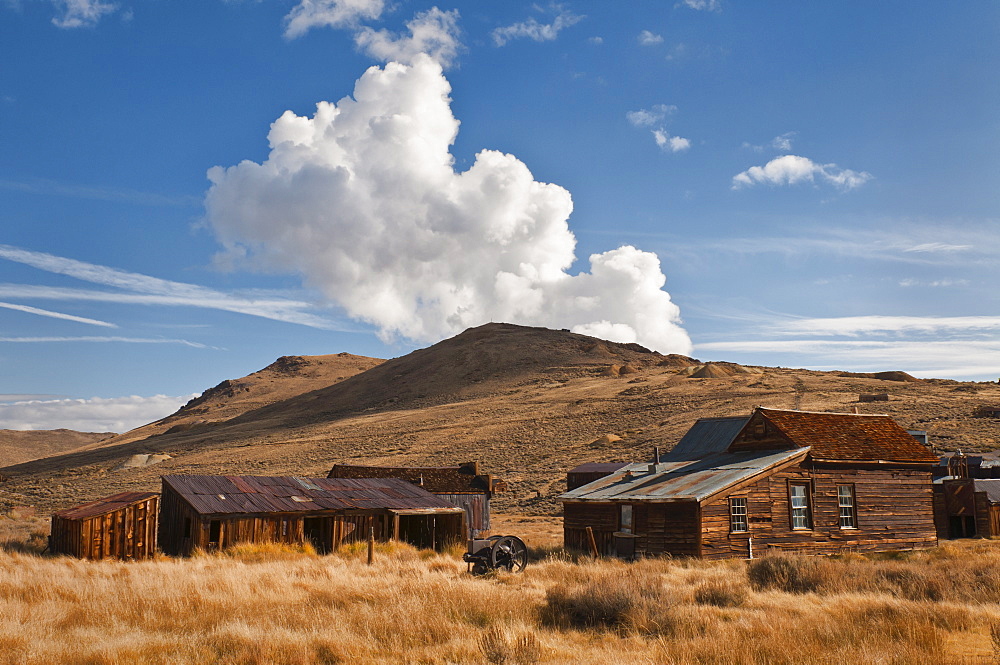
column 122, row 526
column 968, row 507
column 213, row 512
column 876, row 397
column 588, row 473
column 796, row 480
column 462, row 485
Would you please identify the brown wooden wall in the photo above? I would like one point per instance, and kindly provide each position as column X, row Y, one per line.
column 659, row 528
column 326, row 531
column 894, row 511
column 127, row 533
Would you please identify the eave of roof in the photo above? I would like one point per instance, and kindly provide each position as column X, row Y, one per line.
column 687, row 480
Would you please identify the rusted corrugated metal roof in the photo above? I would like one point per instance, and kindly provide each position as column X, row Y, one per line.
column 104, row 506
column 682, row 480
column 848, row 436
column 706, row 436
column 991, row 487
column 459, row 479
column 231, row 495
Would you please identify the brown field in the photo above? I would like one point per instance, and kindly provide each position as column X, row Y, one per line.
column 266, row 605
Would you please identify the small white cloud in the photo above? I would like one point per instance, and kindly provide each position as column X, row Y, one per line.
column 783, row 143
column 532, row 29
column 647, row 38
column 669, row 143
column 81, row 13
column 310, row 14
column 702, row 5
column 792, row 169
column 433, row 33
column 935, row 283
column 98, row 414
column 597, row 41
column 651, row 116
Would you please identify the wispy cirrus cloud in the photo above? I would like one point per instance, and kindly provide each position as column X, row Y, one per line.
column 56, row 315
column 81, row 13
column 793, row 170
column 147, row 290
column 97, row 414
column 701, row 5
column 535, row 30
column 781, row 143
column 854, row 326
column 103, row 340
column 116, row 194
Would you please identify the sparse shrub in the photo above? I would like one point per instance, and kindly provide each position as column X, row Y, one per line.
column 720, row 594
column 783, row 572
column 261, row 552
column 498, row 648
column 495, row 645
column 595, row 605
column 995, row 639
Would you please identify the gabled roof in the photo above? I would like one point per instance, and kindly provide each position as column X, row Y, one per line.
column 104, row 506
column 706, row 436
column 841, row 436
column 461, row 479
column 683, row 480
column 598, row 467
column 231, row 495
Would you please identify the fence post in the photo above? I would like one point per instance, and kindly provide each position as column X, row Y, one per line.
column 593, row 543
column 371, row 545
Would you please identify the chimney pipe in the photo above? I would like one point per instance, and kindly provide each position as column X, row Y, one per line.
column 656, row 455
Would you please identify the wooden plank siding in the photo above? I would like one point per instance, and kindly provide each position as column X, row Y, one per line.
column 894, row 509
column 126, row 533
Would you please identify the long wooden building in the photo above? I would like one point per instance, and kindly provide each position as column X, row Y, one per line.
column 212, row 512
column 462, row 485
column 734, row 487
column 122, row 526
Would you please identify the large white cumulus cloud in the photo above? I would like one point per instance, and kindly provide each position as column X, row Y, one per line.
column 363, row 200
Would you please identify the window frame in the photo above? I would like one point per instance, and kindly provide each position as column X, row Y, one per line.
column 852, row 507
column 807, row 515
column 626, row 525
column 736, row 517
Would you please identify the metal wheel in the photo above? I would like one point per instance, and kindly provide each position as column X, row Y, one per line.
column 509, row 553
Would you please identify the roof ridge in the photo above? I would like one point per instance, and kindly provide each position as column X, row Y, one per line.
column 823, row 413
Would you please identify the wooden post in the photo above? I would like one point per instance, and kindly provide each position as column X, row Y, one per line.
column 593, row 543
column 371, row 545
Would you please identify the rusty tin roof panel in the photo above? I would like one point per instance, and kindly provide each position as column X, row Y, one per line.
column 991, row 487
column 683, row 480
column 438, row 479
column 598, row 467
column 230, row 495
column 104, row 506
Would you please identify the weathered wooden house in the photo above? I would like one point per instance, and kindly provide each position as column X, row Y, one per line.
column 212, row 512
column 121, row 526
column 733, row 487
column 463, row 486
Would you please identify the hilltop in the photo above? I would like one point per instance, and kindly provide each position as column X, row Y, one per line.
column 528, row 403
column 18, row 446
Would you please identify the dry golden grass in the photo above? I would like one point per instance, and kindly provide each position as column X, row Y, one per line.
column 276, row 605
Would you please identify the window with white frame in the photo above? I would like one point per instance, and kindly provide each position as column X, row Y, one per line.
column 848, row 508
column 738, row 514
column 799, row 498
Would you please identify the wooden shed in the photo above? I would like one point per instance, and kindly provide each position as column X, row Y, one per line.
column 462, row 485
column 213, row 512
column 122, row 526
column 968, row 507
column 732, row 487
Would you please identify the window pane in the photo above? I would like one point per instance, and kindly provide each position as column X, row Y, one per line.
column 626, row 518
column 800, row 507
column 738, row 514
column 845, row 499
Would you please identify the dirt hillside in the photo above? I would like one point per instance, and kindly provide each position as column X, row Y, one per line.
column 527, row 403
column 18, row 446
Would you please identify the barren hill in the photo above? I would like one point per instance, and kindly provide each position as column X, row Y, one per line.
column 18, row 446
column 528, row 403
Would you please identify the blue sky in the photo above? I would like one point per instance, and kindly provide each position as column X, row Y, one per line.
column 815, row 183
